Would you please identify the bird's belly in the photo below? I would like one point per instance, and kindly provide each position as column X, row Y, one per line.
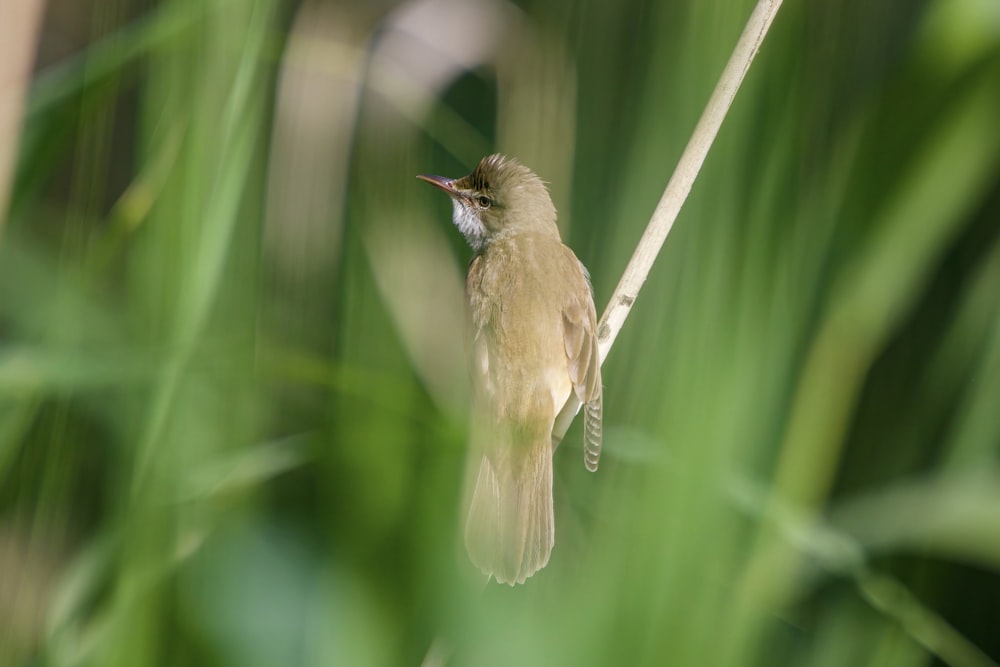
column 528, row 387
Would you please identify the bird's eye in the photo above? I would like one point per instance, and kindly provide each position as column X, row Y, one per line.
column 484, row 201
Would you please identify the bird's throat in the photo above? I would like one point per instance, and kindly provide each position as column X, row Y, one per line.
column 469, row 224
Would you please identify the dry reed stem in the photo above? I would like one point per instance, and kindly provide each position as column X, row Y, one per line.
column 677, row 190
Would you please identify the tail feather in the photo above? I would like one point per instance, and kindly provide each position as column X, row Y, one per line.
column 510, row 529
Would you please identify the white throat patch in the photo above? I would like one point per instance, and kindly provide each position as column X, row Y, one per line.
column 469, row 224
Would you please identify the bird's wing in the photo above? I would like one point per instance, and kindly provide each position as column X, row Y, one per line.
column 584, row 363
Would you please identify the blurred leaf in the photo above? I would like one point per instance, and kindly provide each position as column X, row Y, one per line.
column 881, row 284
column 246, row 469
column 955, row 516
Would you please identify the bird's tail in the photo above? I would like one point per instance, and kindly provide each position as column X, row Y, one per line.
column 510, row 525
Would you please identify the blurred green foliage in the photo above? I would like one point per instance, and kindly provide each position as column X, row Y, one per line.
column 232, row 389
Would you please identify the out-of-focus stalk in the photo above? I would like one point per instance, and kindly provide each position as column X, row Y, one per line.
column 19, row 24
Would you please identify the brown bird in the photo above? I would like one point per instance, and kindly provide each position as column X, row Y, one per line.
column 532, row 343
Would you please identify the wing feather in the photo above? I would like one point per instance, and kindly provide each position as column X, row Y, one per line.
column 584, row 364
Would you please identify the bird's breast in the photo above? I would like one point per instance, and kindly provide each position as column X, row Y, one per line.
column 516, row 293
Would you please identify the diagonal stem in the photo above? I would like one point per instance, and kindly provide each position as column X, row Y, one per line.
column 676, row 192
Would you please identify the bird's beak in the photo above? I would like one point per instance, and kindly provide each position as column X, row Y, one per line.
column 440, row 182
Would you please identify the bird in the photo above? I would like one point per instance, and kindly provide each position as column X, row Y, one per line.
column 532, row 345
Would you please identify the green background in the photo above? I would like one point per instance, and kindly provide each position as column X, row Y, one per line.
column 232, row 385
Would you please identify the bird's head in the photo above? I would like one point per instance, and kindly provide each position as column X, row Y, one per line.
column 501, row 197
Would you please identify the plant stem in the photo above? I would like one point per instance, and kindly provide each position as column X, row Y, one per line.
column 676, row 192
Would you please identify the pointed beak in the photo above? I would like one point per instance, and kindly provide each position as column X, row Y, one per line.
column 440, row 182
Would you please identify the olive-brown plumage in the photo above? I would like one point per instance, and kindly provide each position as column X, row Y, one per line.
column 531, row 339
